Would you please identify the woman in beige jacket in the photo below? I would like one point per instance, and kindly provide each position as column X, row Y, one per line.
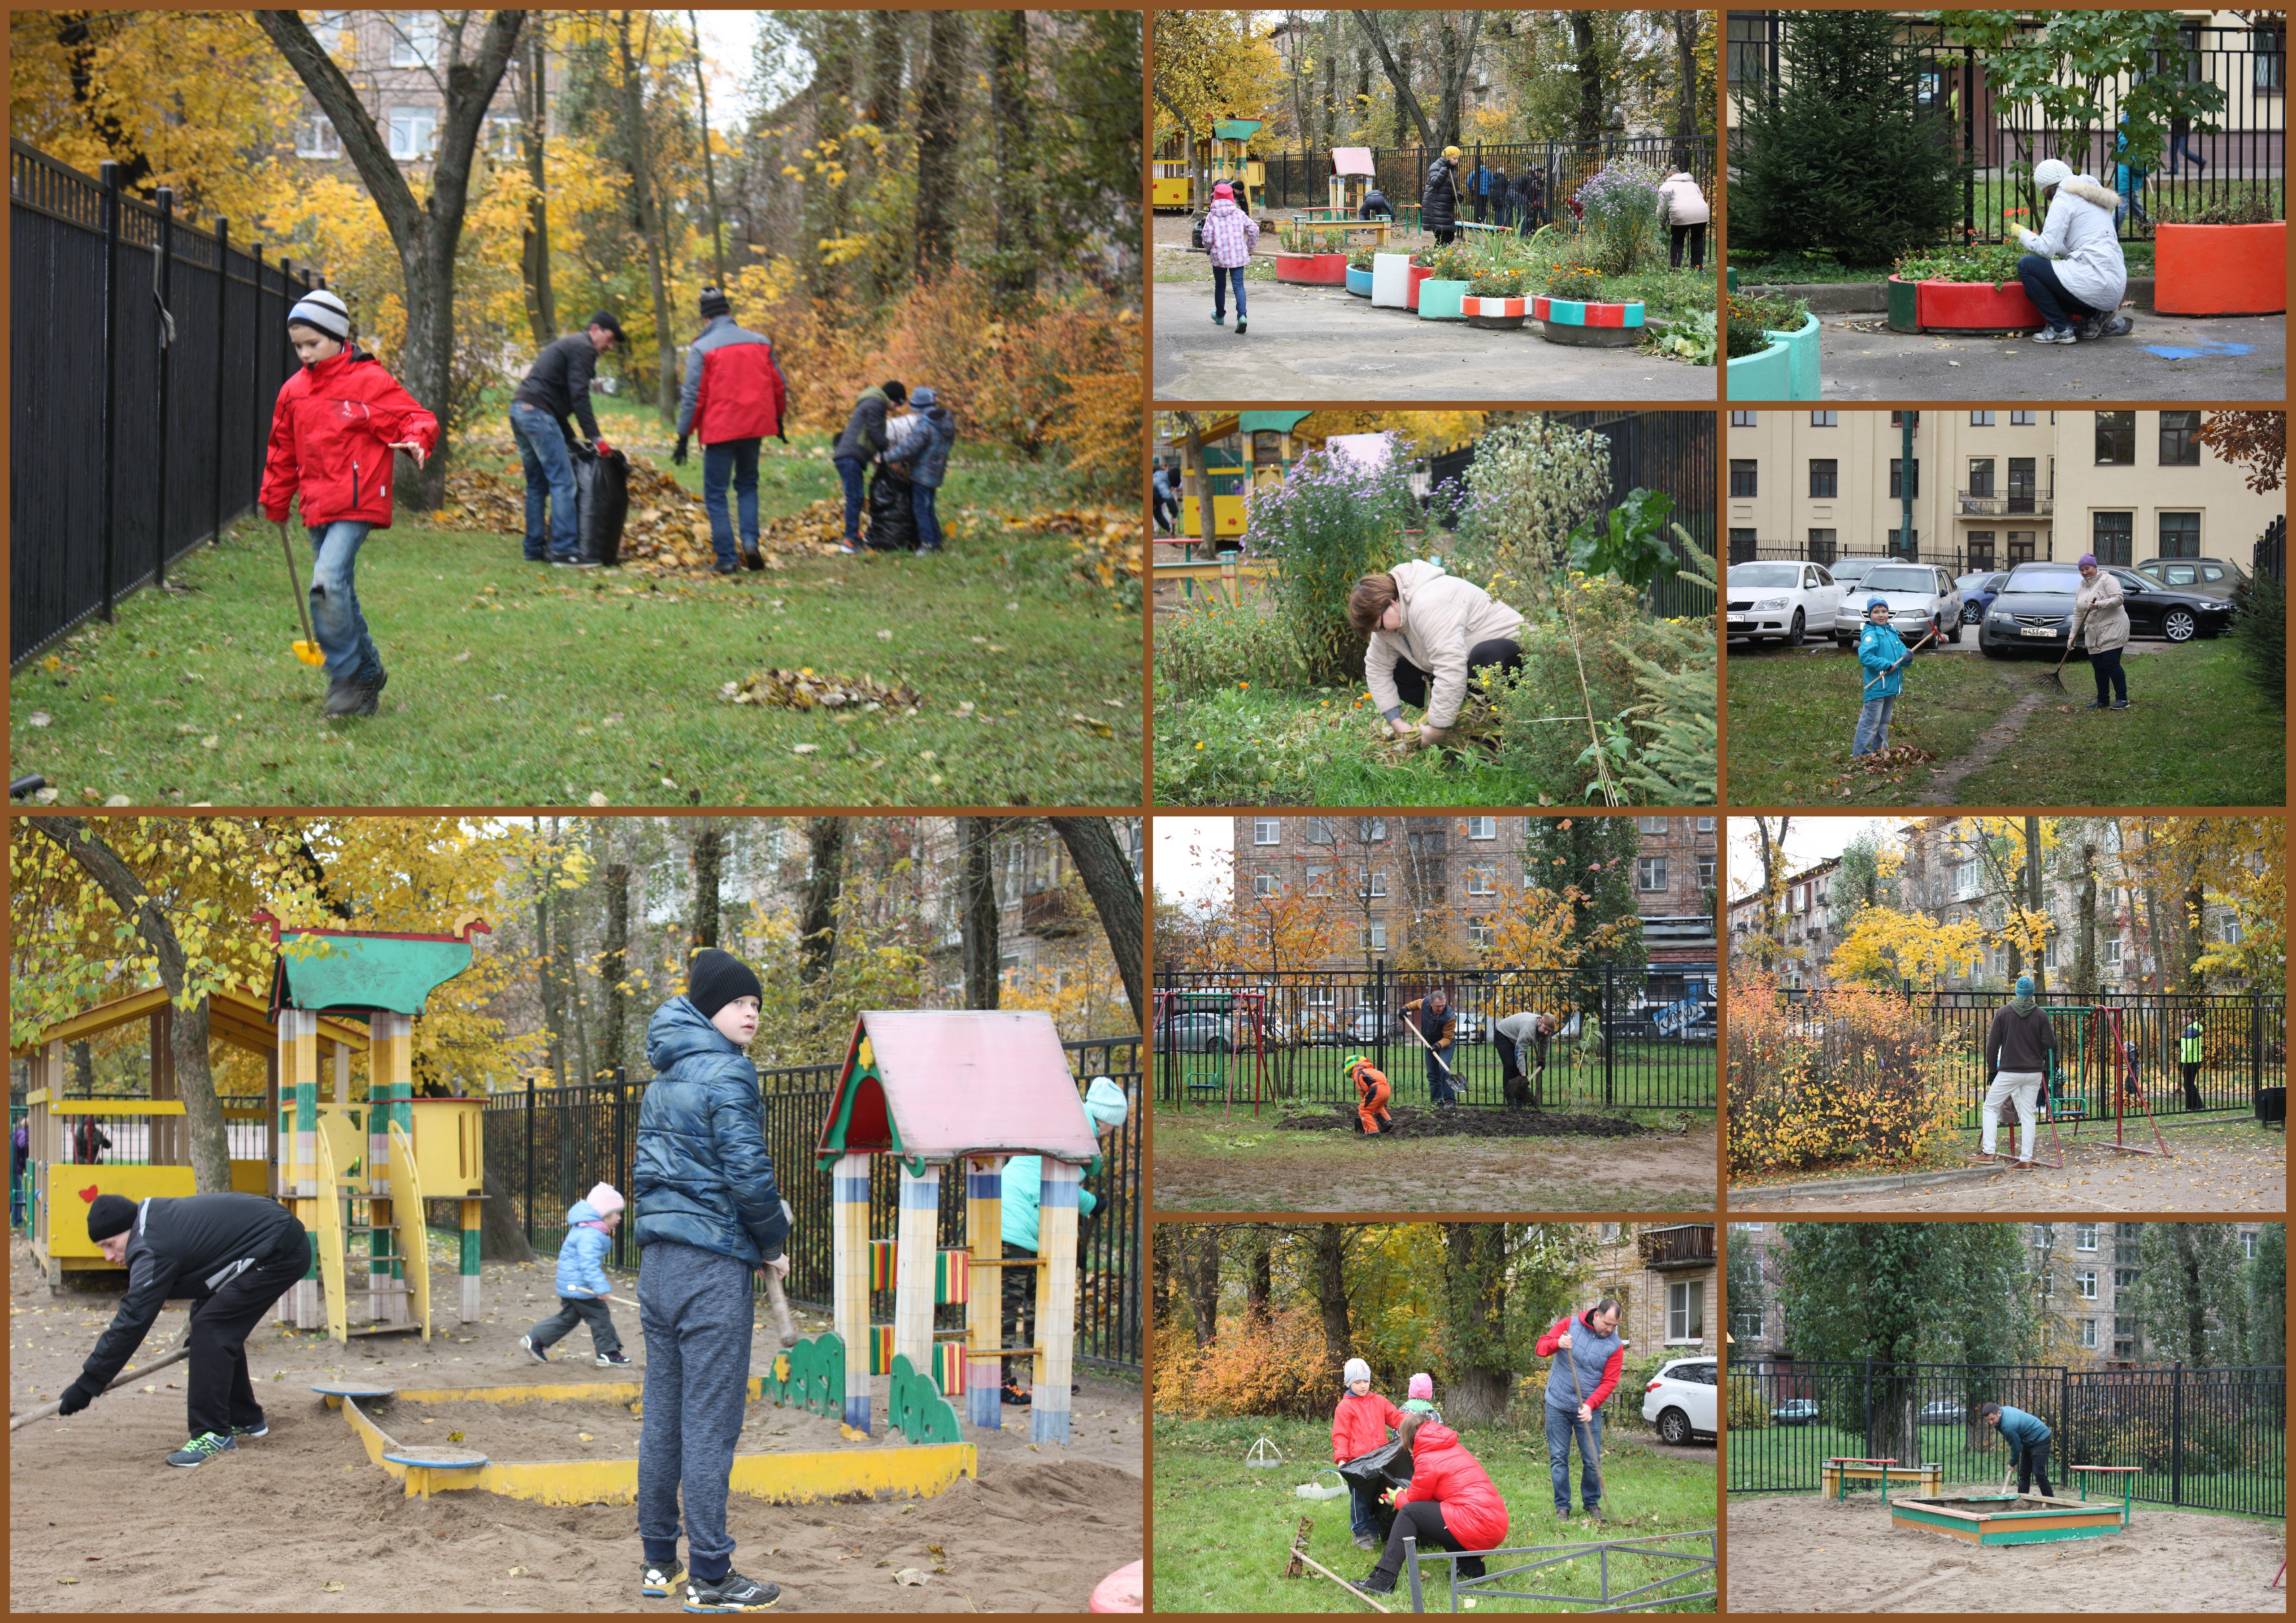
column 2098, row 606
column 1431, row 633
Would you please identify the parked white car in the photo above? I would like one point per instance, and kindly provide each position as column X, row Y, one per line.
column 1782, row 600
column 1916, row 592
column 1679, row 1399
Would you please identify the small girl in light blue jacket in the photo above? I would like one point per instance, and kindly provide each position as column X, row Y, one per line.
column 1883, row 655
column 583, row 1288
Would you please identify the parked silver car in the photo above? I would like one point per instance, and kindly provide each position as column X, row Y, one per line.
column 1917, row 592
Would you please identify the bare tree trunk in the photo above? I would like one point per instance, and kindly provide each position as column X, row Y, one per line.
column 424, row 234
column 1474, row 1278
column 533, row 126
column 83, row 1064
column 1115, row 891
column 824, row 883
column 1687, row 26
column 187, row 1045
column 1329, row 1247
column 887, row 63
column 1398, row 76
column 2033, row 901
column 2085, row 946
column 708, row 163
column 648, row 210
column 708, row 854
column 1159, row 1276
column 1012, row 116
column 546, row 977
column 1590, row 76
column 502, row 1236
column 1204, row 1284
column 938, row 95
column 614, row 965
column 828, row 201
column 976, row 910
column 1260, row 1281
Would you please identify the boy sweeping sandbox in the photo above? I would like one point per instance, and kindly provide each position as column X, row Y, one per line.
column 583, row 1288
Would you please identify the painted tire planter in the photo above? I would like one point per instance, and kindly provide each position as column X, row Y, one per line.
column 1495, row 313
column 1359, row 283
column 1391, row 281
column 1313, row 270
column 1784, row 369
column 1905, row 316
column 1419, row 277
column 2220, row 270
column 1440, row 300
column 1974, row 306
column 1588, row 323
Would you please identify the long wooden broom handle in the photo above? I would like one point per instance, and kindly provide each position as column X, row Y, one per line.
column 122, row 1379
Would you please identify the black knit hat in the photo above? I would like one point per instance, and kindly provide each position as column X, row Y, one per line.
column 109, row 1215
column 714, row 302
column 716, row 978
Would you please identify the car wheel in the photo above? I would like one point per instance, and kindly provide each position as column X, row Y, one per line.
column 1218, row 1044
column 2178, row 625
column 1794, row 636
column 1953, row 636
column 1674, row 1426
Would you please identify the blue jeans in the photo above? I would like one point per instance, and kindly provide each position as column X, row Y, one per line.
column 335, row 618
column 922, row 498
column 549, row 476
column 2177, row 149
column 2058, row 308
column 1439, row 1087
column 850, row 470
column 735, row 460
column 1363, row 1512
column 1874, row 727
column 1559, row 1425
column 1221, row 280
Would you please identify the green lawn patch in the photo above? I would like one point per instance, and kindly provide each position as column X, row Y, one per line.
column 1224, row 1530
column 513, row 683
column 1257, row 746
column 1792, row 718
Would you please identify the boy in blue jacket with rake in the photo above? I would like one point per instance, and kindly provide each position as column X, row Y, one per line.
column 1883, row 655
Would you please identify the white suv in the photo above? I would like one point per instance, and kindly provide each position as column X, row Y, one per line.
column 1785, row 601
column 1680, row 1400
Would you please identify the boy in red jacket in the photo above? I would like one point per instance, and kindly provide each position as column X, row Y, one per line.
column 1359, row 1425
column 332, row 432
column 1451, row 1504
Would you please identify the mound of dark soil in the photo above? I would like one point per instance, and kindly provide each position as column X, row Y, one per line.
column 1470, row 1121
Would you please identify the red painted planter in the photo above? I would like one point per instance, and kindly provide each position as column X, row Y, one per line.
column 1419, row 273
column 1973, row 306
column 2220, row 270
column 1327, row 270
column 1489, row 304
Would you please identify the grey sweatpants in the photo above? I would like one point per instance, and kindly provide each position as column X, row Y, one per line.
column 699, row 1314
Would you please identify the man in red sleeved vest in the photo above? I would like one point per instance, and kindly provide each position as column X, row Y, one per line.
column 734, row 397
column 1588, row 1353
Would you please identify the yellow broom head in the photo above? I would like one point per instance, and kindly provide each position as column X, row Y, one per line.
column 308, row 652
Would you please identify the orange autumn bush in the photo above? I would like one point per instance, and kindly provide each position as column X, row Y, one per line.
column 1275, row 1367
column 1856, row 1075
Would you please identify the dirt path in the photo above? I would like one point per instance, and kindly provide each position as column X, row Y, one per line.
column 1801, row 1553
column 1944, row 787
column 1265, row 1171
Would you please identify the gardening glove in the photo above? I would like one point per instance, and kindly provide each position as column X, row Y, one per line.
column 781, row 435
column 77, row 1397
column 678, row 456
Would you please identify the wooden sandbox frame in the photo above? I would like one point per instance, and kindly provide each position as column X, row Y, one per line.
column 2003, row 1519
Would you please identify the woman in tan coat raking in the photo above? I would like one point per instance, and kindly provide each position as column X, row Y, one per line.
column 1431, row 633
column 2098, row 606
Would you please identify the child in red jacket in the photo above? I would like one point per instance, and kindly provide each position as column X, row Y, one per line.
column 332, row 432
column 1359, row 1425
column 1451, row 1504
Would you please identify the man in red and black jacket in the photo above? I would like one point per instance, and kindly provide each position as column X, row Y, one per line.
column 734, row 397
column 1588, row 1353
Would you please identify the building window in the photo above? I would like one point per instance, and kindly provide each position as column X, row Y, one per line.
column 1980, row 549
column 2180, row 442
column 1825, row 420
column 414, row 131
column 1742, row 479
column 2270, row 46
column 1910, row 549
column 2180, row 535
column 316, row 137
column 1742, row 420
column 1822, row 544
column 1263, row 884
column 1897, row 478
column 1966, row 876
column 1686, row 1310
column 1375, row 936
column 1706, row 873
column 1650, row 825
column 1649, row 874
column 1264, row 830
column 1742, row 544
column 1320, row 832
column 2085, row 1284
column 2088, row 1334
column 413, row 39
column 502, row 135
column 2113, row 536
column 2021, row 420
column 1702, row 826
column 1753, row 43
column 2116, row 440
column 1896, row 418
column 1478, row 934
column 1483, row 828
column 1373, row 881
column 2124, row 1279
column 1824, row 477
column 1981, row 476
column 1482, row 881
column 2248, row 1247
column 1371, row 831
column 2020, row 546
column 1980, row 420
column 1319, row 882
column 1746, row 1322
column 2124, row 1337
column 2084, row 1236
column 2112, row 953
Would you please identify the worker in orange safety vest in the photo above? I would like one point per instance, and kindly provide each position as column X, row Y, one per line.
column 1372, row 1094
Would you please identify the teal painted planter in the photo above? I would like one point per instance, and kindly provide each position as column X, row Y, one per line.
column 1440, row 300
column 1359, row 283
column 1785, row 370
column 1801, row 357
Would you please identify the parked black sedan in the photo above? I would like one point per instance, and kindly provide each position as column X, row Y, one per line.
column 2036, row 604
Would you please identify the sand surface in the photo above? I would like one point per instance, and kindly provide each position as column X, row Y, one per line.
column 269, row 1527
column 1801, row 1553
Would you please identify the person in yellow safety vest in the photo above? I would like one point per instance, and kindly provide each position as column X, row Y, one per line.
column 2188, row 1057
column 1372, row 1094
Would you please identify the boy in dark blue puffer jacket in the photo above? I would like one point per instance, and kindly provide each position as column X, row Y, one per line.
column 708, row 1213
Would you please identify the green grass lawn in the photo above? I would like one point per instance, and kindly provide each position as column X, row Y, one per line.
column 1259, row 746
column 2196, row 732
column 513, row 683
column 1224, row 1530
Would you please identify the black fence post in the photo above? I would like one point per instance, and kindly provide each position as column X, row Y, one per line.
column 529, row 1158
column 1378, row 1006
column 1866, row 1409
column 222, row 349
column 2176, row 1434
column 257, row 434
column 109, row 174
column 163, row 290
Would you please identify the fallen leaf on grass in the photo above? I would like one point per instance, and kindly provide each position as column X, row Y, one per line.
column 806, row 689
column 1093, row 726
column 597, row 798
column 585, row 1437
column 39, row 718
column 454, row 1437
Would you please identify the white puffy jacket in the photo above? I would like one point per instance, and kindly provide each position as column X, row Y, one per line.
column 1443, row 618
column 2079, row 235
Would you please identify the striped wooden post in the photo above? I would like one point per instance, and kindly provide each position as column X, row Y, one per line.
column 850, row 1302
column 984, row 1233
column 389, row 1061
column 469, row 1308
column 1056, row 1282
column 298, row 1078
column 916, row 1238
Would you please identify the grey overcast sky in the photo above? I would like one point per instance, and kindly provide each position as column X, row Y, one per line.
column 1191, row 859
column 1809, row 839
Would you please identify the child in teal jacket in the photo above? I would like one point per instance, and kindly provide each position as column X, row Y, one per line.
column 1883, row 654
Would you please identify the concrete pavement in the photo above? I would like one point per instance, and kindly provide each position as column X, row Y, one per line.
column 2167, row 357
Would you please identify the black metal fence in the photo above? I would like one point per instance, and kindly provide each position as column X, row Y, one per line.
column 2244, row 1046
column 144, row 358
column 546, row 1147
column 1745, row 548
column 1631, row 1039
column 2209, row 1439
column 2269, row 556
column 2248, row 147
column 1301, row 180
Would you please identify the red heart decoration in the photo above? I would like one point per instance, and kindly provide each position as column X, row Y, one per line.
column 89, row 1194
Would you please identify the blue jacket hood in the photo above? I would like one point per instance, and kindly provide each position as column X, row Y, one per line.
column 582, row 1211
column 701, row 1174
column 678, row 1031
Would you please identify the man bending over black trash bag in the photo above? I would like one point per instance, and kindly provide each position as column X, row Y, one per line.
column 233, row 1254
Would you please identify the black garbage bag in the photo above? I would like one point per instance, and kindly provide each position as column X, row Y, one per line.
column 892, row 519
column 602, row 504
column 1377, row 1470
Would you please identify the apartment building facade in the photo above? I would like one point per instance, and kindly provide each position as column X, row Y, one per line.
column 397, row 62
column 1663, row 1276
column 1805, row 930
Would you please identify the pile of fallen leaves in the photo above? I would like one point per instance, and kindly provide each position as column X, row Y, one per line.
column 1881, row 763
column 1108, row 539
column 806, row 689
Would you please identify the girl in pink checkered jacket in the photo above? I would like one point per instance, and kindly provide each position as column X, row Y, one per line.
column 1229, row 233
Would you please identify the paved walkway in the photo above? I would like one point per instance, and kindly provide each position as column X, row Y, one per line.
column 1323, row 343
column 2168, row 358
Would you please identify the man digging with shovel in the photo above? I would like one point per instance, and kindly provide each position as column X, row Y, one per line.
column 1588, row 1353
column 2019, row 1047
column 1513, row 1036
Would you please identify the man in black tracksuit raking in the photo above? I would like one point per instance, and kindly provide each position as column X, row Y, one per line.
column 233, row 1254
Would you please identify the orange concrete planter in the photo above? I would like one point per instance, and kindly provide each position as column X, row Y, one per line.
column 2220, row 270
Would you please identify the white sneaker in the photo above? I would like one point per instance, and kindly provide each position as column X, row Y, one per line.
column 2055, row 335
